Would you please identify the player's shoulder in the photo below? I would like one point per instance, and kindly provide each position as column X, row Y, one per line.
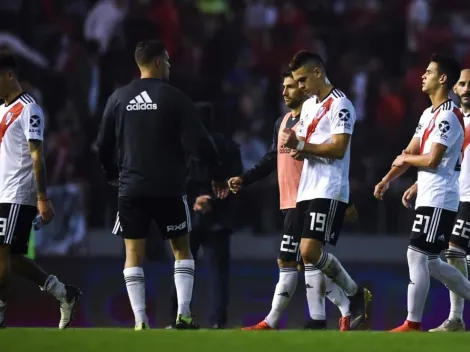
column 448, row 110
column 340, row 98
column 29, row 104
column 310, row 103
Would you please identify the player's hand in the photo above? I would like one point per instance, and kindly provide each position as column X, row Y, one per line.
column 220, row 189
column 235, row 184
column 45, row 210
column 203, row 204
column 380, row 189
column 297, row 155
column 399, row 161
column 351, row 214
column 410, row 196
column 288, row 138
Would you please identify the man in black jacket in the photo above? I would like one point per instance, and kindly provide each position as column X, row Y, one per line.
column 154, row 126
column 211, row 219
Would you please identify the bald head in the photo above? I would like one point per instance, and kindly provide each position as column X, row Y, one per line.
column 462, row 88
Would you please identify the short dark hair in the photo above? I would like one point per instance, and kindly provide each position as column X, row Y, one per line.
column 148, row 50
column 286, row 74
column 305, row 57
column 8, row 61
column 448, row 66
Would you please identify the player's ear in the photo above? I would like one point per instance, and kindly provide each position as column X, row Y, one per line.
column 443, row 79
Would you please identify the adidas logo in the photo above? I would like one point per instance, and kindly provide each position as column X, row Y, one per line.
column 308, row 286
column 141, row 102
column 441, row 238
column 284, row 294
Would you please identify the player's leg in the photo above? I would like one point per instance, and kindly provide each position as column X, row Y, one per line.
column 132, row 224
column 323, row 223
column 173, row 218
column 455, row 255
column 288, row 271
column 195, row 241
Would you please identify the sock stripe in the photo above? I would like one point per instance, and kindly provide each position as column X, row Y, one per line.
column 454, row 254
column 310, row 267
column 468, row 260
column 322, row 262
column 186, row 271
column 287, row 270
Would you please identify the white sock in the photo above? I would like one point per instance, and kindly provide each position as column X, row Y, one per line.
column 333, row 269
column 456, row 257
column 285, row 289
column 450, row 276
column 2, row 311
column 418, row 287
column 337, row 297
column 135, row 283
column 54, row 287
column 316, row 290
column 184, row 281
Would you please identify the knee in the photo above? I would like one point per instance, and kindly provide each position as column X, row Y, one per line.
column 181, row 248
column 311, row 251
column 283, row 264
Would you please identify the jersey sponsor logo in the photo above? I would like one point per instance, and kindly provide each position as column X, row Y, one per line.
column 344, row 115
column 35, row 124
column 444, row 128
column 179, row 227
column 141, row 102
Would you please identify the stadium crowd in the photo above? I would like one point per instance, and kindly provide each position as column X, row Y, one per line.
column 231, row 53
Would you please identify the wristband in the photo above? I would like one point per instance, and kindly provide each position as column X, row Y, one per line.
column 43, row 199
column 300, row 146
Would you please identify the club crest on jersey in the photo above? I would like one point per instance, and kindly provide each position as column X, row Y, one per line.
column 321, row 111
column 8, row 117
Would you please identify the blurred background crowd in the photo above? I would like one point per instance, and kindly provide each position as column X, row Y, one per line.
column 74, row 53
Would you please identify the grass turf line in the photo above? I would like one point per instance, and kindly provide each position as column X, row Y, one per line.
column 116, row 340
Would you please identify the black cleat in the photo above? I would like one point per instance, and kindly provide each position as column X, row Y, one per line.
column 315, row 325
column 68, row 306
column 186, row 323
column 358, row 306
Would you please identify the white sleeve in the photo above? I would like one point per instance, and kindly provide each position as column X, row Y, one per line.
column 32, row 120
column 447, row 129
column 343, row 117
column 420, row 128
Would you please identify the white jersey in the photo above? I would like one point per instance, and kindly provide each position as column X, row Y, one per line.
column 439, row 188
column 20, row 121
column 319, row 121
column 464, row 178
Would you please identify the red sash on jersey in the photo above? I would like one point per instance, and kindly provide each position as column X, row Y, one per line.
column 321, row 112
column 432, row 124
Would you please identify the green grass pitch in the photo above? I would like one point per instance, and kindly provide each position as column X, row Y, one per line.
column 116, row 340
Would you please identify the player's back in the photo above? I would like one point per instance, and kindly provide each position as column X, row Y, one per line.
column 21, row 120
column 439, row 187
column 149, row 129
column 322, row 177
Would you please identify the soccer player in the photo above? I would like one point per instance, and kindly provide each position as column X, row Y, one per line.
column 152, row 125
column 459, row 245
column 325, row 131
column 435, row 150
column 289, row 171
column 23, row 191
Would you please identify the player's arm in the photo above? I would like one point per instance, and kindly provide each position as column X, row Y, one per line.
column 268, row 162
column 33, row 127
column 441, row 139
column 106, row 141
column 396, row 171
column 342, row 125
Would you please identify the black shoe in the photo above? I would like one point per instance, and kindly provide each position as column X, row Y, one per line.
column 186, row 323
column 68, row 306
column 358, row 307
column 315, row 325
